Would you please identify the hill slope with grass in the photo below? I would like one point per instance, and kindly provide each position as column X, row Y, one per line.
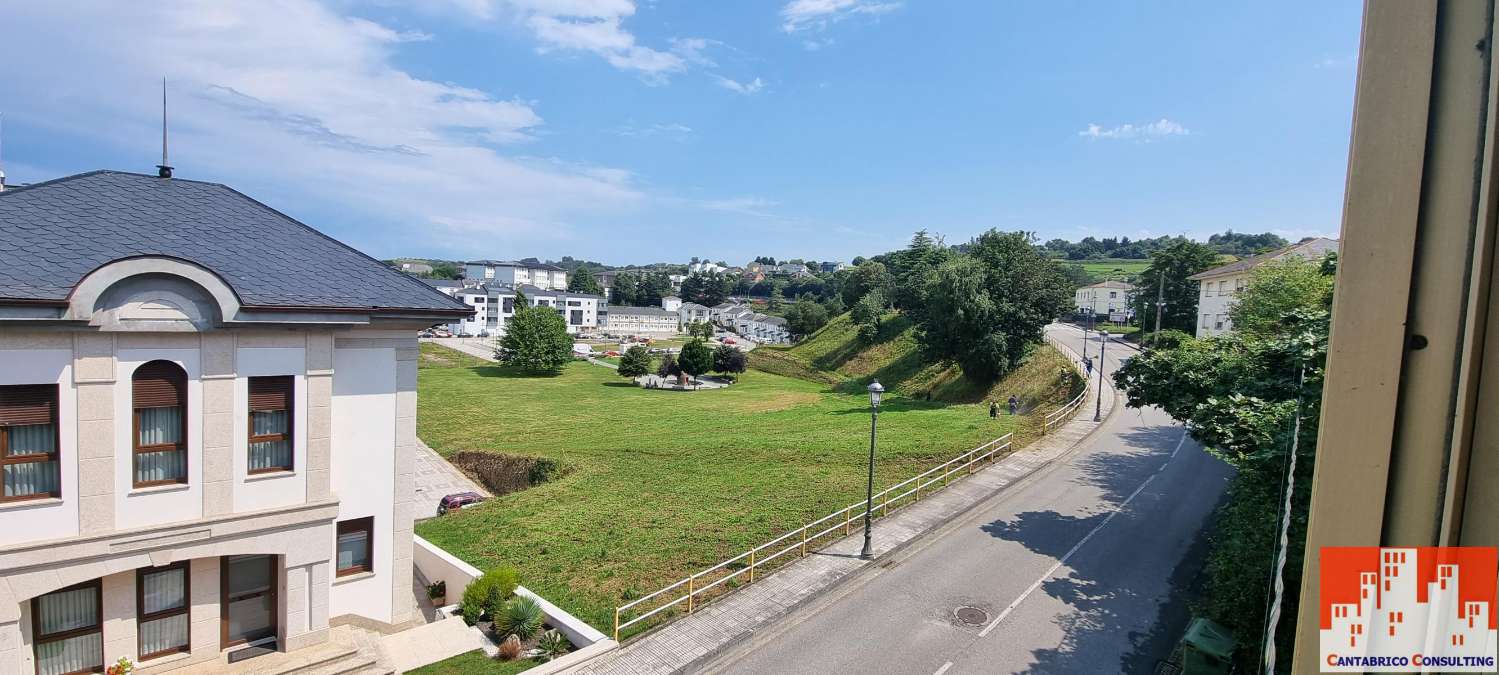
column 835, row 356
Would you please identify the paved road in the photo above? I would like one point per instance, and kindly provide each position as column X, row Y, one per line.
column 1081, row 570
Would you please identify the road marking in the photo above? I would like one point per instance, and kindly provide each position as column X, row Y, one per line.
column 943, row 669
column 1078, row 546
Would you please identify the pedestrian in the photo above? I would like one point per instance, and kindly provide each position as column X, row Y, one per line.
column 1088, row 364
column 1014, row 405
column 993, row 410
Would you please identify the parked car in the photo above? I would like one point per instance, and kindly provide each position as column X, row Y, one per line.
column 459, row 500
column 729, row 341
column 442, row 332
column 426, row 334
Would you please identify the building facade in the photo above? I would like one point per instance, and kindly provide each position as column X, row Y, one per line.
column 512, row 273
column 494, row 305
column 643, row 321
column 1106, row 298
column 1218, row 287
column 202, row 455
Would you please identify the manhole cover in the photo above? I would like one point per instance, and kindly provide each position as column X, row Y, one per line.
column 972, row 616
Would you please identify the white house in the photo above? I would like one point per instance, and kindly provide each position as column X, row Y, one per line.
column 1218, row 286
column 494, row 305
column 641, row 321
column 704, row 267
column 512, row 273
column 772, row 329
column 1103, row 299
column 210, row 416
column 671, row 303
column 691, row 312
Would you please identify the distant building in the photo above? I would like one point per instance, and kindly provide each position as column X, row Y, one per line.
column 641, row 321
column 791, row 269
column 494, row 306
column 416, row 268
column 830, row 267
column 1217, row 287
column 512, row 273
column 691, row 312
column 1106, row 298
column 705, row 267
column 671, row 303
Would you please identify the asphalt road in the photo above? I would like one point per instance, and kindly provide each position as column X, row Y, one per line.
column 1082, row 568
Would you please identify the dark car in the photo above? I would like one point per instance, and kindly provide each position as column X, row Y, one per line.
column 458, row 500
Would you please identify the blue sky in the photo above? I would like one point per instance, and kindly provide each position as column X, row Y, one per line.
column 632, row 131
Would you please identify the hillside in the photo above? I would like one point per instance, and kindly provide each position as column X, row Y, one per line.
column 834, row 356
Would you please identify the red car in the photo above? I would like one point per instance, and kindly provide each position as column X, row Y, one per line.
column 459, row 500
column 729, row 341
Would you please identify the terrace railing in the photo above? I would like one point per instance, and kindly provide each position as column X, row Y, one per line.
column 701, row 587
column 1057, row 417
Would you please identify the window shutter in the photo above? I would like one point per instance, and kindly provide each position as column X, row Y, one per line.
column 159, row 384
column 28, row 404
column 270, row 393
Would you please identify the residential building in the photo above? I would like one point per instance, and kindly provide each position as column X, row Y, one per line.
column 704, row 267
column 516, row 273
column 210, row 416
column 641, row 321
column 494, row 305
column 726, row 314
column 671, row 303
column 691, row 312
column 416, row 267
column 830, row 267
column 772, row 329
column 1104, row 299
column 1217, row 287
column 791, row 269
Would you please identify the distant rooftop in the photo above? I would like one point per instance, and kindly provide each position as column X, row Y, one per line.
column 1311, row 249
column 516, row 263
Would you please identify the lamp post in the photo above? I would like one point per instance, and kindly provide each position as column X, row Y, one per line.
column 875, row 391
column 1103, row 341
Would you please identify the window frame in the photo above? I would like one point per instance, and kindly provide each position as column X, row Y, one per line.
column 142, row 617
column 365, row 524
column 135, row 433
column 291, row 424
column 38, row 638
column 54, row 456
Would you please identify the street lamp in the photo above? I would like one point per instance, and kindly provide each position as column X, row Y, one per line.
column 1103, row 341
column 875, row 391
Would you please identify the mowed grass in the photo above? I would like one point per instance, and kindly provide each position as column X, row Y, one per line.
column 659, row 484
column 1111, row 268
column 475, row 663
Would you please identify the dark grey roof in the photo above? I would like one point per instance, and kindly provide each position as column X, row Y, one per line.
column 443, row 283
column 1310, row 249
column 774, row 320
column 640, row 311
column 54, row 233
column 515, row 263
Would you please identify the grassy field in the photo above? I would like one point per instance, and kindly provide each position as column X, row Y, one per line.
column 1111, row 268
column 475, row 663
column 658, row 484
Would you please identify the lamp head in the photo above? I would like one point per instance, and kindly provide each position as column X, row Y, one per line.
column 876, row 390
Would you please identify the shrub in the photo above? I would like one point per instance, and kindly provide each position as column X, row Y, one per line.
column 553, row 645
column 1169, row 338
column 487, row 594
column 438, row 589
column 521, row 617
column 510, row 649
column 635, row 362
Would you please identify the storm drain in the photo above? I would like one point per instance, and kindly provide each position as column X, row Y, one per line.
column 972, row 616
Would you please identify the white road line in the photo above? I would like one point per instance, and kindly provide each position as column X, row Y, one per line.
column 943, row 669
column 1068, row 555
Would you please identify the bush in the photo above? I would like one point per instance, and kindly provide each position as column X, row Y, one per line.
column 509, row 649
column 1169, row 338
column 485, row 597
column 553, row 645
column 635, row 362
column 521, row 617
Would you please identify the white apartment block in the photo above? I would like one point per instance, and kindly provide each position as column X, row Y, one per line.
column 1103, row 298
column 641, row 321
column 1218, row 287
column 207, row 450
column 512, row 273
column 494, row 305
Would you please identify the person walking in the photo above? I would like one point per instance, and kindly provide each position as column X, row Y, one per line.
column 1088, row 365
column 993, row 410
column 1014, row 405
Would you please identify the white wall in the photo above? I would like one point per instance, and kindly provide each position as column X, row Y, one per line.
column 277, row 489
column 50, row 519
column 1215, row 304
column 167, row 503
column 363, row 466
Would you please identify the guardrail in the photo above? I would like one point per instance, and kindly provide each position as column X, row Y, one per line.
column 1059, row 415
column 721, row 575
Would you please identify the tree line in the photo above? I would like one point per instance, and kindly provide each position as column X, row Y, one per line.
column 1093, row 248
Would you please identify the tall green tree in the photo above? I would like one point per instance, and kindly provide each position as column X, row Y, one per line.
column 866, row 314
column 1278, row 288
column 910, row 268
column 536, row 339
column 626, row 290
column 728, row 360
column 583, row 281
column 805, row 316
column 777, row 298
column 695, row 358
column 653, row 287
column 866, row 278
column 1174, row 263
column 706, row 288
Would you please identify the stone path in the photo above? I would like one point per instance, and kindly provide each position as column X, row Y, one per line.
column 689, row 640
column 435, row 478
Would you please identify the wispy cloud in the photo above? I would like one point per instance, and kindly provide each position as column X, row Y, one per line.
column 1161, row 128
column 751, row 206
column 751, row 87
column 800, row 15
column 672, row 130
column 1337, row 62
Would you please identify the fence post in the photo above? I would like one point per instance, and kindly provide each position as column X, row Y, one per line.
column 804, row 541
column 689, row 592
column 616, row 624
column 752, row 566
column 848, row 519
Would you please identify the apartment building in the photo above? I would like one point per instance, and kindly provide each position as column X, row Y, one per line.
column 1106, row 298
column 644, row 321
column 208, row 420
column 494, row 305
column 1219, row 286
column 515, row 273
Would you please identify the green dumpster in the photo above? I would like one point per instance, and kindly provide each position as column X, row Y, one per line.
column 1207, row 649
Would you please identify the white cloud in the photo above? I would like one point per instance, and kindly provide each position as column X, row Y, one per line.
column 799, row 15
column 673, row 130
column 752, row 87
column 750, row 206
column 300, row 105
column 1161, row 128
column 1337, row 62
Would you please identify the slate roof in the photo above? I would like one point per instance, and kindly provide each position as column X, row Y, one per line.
column 515, row 263
column 54, row 233
column 1311, row 249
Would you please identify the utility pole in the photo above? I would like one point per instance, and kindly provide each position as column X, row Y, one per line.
column 1160, row 299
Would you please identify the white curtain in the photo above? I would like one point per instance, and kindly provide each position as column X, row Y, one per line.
column 63, row 611
column 163, row 590
column 31, row 478
column 163, row 634
column 269, row 453
column 160, row 426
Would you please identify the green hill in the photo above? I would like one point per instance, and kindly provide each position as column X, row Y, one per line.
column 834, row 356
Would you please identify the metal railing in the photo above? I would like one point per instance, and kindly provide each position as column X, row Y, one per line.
column 1061, row 414
column 722, row 575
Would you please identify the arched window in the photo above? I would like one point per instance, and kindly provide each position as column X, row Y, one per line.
column 160, row 429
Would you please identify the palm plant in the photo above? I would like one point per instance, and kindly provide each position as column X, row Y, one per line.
column 552, row 645
column 521, row 617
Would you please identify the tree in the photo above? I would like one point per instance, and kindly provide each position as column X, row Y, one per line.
column 668, row 367
column 1276, row 289
column 805, row 316
column 858, row 260
column 445, row 270
column 626, row 289
column 777, row 298
column 706, row 288
column 728, row 360
column 696, row 358
column 867, row 314
column 583, row 281
column 866, row 278
column 653, row 287
column 909, row 269
column 536, row 339
column 636, row 361
column 983, row 310
column 700, row 329
column 1182, row 259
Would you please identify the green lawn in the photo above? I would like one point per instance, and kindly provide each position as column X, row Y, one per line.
column 1111, row 268
column 658, row 484
column 475, row 663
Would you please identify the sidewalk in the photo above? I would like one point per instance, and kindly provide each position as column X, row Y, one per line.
column 680, row 645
